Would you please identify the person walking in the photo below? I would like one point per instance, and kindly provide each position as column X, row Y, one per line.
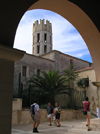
column 98, row 111
column 35, row 116
column 87, row 112
column 57, row 114
column 49, row 112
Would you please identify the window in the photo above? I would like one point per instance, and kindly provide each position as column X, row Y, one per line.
column 90, row 65
column 38, row 49
column 33, row 50
column 38, row 37
column 71, row 62
column 24, row 68
column 45, row 37
column 38, row 72
column 33, row 40
column 45, row 48
column 50, row 40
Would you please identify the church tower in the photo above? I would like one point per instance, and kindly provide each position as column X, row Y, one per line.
column 42, row 37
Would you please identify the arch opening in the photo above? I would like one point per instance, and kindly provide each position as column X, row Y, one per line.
column 65, row 37
column 80, row 21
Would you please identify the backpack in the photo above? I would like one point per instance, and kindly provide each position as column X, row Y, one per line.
column 32, row 109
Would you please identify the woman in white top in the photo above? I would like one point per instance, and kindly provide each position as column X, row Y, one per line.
column 97, row 111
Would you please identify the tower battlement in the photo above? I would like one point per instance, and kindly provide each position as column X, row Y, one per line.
column 38, row 26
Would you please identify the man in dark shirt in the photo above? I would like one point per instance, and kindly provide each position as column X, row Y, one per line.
column 49, row 112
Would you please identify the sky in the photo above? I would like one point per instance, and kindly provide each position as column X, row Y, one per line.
column 66, row 38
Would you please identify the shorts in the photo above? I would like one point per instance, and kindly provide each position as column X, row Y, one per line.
column 85, row 112
column 58, row 116
column 49, row 115
column 36, row 118
column 88, row 113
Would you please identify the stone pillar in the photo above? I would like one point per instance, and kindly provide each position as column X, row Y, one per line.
column 97, row 83
column 7, row 58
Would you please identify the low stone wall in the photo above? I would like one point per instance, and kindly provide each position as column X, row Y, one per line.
column 17, row 104
column 24, row 116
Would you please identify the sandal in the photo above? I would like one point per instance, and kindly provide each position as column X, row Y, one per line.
column 50, row 124
column 86, row 125
column 58, row 125
column 88, row 129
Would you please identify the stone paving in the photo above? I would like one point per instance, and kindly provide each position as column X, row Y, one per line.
column 44, row 128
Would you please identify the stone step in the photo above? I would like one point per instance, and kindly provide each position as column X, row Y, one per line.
column 91, row 124
column 77, row 131
column 95, row 120
column 80, row 127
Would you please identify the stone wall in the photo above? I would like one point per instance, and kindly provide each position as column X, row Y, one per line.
column 24, row 117
column 62, row 61
column 17, row 104
column 54, row 60
column 33, row 63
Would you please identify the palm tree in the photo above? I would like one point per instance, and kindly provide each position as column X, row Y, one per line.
column 49, row 85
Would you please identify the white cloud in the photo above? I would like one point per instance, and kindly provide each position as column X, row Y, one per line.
column 23, row 39
column 79, row 55
column 65, row 36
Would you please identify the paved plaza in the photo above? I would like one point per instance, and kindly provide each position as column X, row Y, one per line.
column 44, row 128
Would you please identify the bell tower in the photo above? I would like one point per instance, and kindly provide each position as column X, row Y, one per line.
column 42, row 37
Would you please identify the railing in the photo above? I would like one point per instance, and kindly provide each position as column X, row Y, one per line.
column 28, row 94
column 78, row 97
column 17, row 86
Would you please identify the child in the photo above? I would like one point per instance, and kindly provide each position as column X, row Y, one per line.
column 54, row 120
column 97, row 111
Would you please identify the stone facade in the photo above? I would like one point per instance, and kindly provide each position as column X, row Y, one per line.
column 91, row 91
column 54, row 60
column 33, row 65
column 62, row 61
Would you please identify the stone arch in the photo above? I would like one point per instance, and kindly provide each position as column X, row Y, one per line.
column 11, row 13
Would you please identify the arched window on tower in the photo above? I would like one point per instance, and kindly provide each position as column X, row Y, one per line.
column 38, row 37
column 50, row 40
column 33, row 40
column 45, row 49
column 33, row 50
column 45, row 37
column 38, row 49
